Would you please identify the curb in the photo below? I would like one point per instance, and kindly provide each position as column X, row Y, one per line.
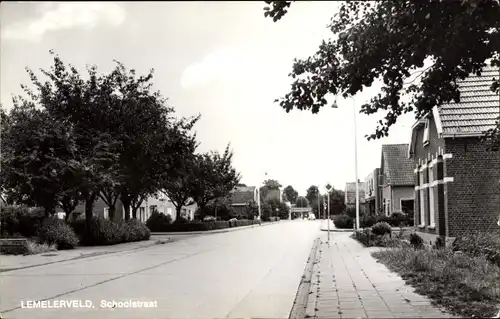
column 299, row 307
column 88, row 255
column 216, row 231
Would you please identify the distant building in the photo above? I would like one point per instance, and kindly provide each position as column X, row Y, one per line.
column 242, row 197
column 159, row 202
column 457, row 175
column 397, row 182
column 350, row 196
column 274, row 194
column 373, row 193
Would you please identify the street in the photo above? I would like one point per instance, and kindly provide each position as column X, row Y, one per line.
column 250, row 273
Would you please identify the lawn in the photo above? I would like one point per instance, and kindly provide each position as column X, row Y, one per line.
column 469, row 286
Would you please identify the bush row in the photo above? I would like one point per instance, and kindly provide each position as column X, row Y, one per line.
column 395, row 220
column 197, row 225
column 107, row 232
column 19, row 221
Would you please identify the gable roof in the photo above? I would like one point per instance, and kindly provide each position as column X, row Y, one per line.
column 478, row 109
column 398, row 168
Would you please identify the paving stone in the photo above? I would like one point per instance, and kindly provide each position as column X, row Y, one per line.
column 379, row 314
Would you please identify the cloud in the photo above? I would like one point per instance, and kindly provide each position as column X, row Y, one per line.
column 223, row 63
column 66, row 15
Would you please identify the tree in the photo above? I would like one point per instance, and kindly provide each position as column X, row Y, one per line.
column 390, row 41
column 272, row 184
column 312, row 193
column 215, row 177
column 301, row 202
column 34, row 154
column 263, row 191
column 179, row 179
column 291, row 193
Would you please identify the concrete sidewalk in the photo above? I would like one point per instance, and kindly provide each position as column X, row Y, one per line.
column 347, row 282
column 13, row 262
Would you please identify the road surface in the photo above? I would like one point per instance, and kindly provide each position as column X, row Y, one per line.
column 250, row 273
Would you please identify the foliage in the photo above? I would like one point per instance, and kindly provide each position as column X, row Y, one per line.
column 107, row 232
column 272, row 184
column 381, row 228
column 55, row 231
column 291, row 193
column 480, row 244
column 392, row 41
column 20, row 220
column 301, row 202
column 283, row 211
column 416, row 241
column 468, row 286
column 34, row 248
column 343, row 221
column 215, row 177
column 157, row 221
column 312, row 193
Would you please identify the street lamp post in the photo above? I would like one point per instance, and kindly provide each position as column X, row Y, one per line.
column 328, row 198
column 334, row 105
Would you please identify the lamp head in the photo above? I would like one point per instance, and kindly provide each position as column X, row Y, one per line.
column 335, row 105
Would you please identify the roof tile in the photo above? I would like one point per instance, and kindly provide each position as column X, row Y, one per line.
column 398, row 168
column 478, row 109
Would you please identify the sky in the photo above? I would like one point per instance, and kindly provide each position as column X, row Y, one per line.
column 222, row 60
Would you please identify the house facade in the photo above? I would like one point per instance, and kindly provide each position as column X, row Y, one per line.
column 456, row 174
column 159, row 202
column 242, row 197
column 397, row 184
column 350, row 196
column 373, row 193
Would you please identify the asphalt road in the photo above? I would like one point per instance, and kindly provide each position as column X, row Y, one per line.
column 250, row 273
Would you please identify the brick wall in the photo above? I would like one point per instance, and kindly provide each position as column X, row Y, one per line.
column 422, row 155
column 473, row 198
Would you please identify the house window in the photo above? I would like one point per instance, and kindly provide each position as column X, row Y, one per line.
column 388, row 212
column 421, row 200
column 152, row 208
column 432, row 221
column 169, row 211
column 106, row 213
column 426, row 133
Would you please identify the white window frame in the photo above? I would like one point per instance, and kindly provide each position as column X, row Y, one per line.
column 169, row 211
column 106, row 213
column 421, row 199
column 432, row 213
column 142, row 213
column 425, row 140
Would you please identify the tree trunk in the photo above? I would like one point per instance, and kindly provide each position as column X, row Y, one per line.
column 111, row 211
column 178, row 213
column 89, row 209
column 126, row 201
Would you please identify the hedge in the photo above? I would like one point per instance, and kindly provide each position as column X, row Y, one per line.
column 107, row 232
column 200, row 226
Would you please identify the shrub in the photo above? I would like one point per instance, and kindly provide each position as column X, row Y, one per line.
column 34, row 248
column 56, row 231
column 368, row 221
column 397, row 219
column 204, row 226
column 21, row 220
column 157, row 221
column 381, row 228
column 343, row 221
column 416, row 241
column 480, row 244
column 134, row 230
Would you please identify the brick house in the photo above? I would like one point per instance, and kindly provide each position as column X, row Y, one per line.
column 241, row 197
column 350, row 196
column 397, row 183
column 373, row 193
column 457, row 177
